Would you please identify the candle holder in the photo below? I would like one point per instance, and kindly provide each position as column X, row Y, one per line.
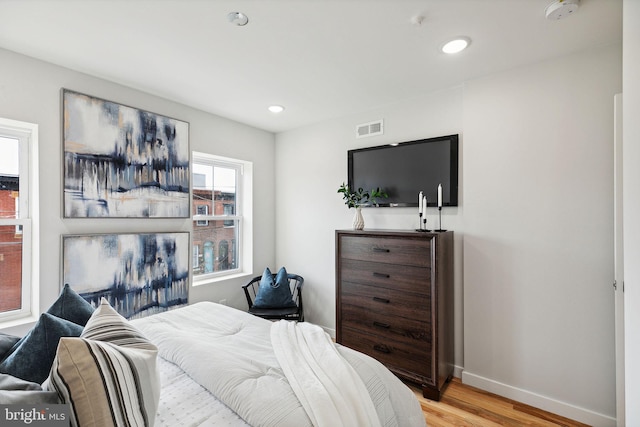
column 422, row 223
column 440, row 229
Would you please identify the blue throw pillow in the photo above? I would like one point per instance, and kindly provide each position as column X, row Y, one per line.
column 6, row 344
column 274, row 293
column 71, row 306
column 31, row 357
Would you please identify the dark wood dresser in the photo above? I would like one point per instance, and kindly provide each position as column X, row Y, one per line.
column 394, row 302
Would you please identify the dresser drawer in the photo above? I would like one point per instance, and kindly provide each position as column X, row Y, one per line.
column 400, row 277
column 391, row 250
column 385, row 325
column 387, row 302
column 395, row 354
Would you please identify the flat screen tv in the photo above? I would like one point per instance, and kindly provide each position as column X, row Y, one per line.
column 405, row 169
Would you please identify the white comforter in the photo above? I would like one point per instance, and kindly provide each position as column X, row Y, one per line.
column 230, row 353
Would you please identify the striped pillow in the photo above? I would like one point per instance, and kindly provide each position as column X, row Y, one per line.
column 108, row 375
column 106, row 324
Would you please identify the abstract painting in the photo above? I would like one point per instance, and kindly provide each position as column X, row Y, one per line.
column 122, row 162
column 139, row 274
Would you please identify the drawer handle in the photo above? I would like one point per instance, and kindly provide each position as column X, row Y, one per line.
column 381, row 250
column 384, row 300
column 382, row 348
column 381, row 325
column 386, row 276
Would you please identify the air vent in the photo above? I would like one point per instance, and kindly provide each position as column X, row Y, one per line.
column 370, row 129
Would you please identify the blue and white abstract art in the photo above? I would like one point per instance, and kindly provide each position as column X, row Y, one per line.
column 122, row 162
column 139, row 274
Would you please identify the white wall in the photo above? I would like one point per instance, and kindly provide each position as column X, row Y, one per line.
column 631, row 209
column 534, row 230
column 311, row 163
column 30, row 90
column 538, row 254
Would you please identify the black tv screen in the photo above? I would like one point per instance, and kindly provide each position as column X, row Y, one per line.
column 405, row 169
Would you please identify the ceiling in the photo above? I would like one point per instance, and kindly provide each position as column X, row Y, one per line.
column 320, row 59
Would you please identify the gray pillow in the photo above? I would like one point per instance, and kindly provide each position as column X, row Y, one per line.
column 17, row 391
column 9, row 382
column 14, row 397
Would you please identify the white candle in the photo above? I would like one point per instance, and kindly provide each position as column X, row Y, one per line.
column 439, row 195
column 424, row 205
column 420, row 203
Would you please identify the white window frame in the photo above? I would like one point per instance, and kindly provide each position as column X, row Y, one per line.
column 28, row 220
column 205, row 213
column 243, row 215
column 195, row 253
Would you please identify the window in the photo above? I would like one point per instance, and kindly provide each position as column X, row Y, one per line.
column 228, row 210
column 195, row 261
column 221, row 199
column 202, row 210
column 18, row 221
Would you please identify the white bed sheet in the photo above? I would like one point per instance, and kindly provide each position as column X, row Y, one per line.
column 184, row 402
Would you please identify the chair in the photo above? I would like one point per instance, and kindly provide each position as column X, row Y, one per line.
column 287, row 313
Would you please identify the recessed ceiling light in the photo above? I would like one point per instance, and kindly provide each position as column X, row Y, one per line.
column 456, row 45
column 276, row 108
column 238, row 18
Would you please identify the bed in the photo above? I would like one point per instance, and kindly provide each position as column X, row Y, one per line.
column 220, row 351
column 207, row 364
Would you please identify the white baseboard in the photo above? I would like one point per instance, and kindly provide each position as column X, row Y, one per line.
column 457, row 371
column 550, row 405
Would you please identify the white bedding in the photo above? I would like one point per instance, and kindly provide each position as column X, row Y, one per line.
column 229, row 353
column 326, row 385
column 185, row 403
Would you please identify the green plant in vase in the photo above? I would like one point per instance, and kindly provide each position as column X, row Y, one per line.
column 358, row 198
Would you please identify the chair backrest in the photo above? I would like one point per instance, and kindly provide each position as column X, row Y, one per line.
column 295, row 284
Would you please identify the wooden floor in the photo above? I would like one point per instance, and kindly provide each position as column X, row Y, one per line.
column 462, row 405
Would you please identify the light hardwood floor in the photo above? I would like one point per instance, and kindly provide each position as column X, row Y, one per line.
column 462, row 405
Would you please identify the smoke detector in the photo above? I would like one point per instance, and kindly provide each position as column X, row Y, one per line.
column 561, row 9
